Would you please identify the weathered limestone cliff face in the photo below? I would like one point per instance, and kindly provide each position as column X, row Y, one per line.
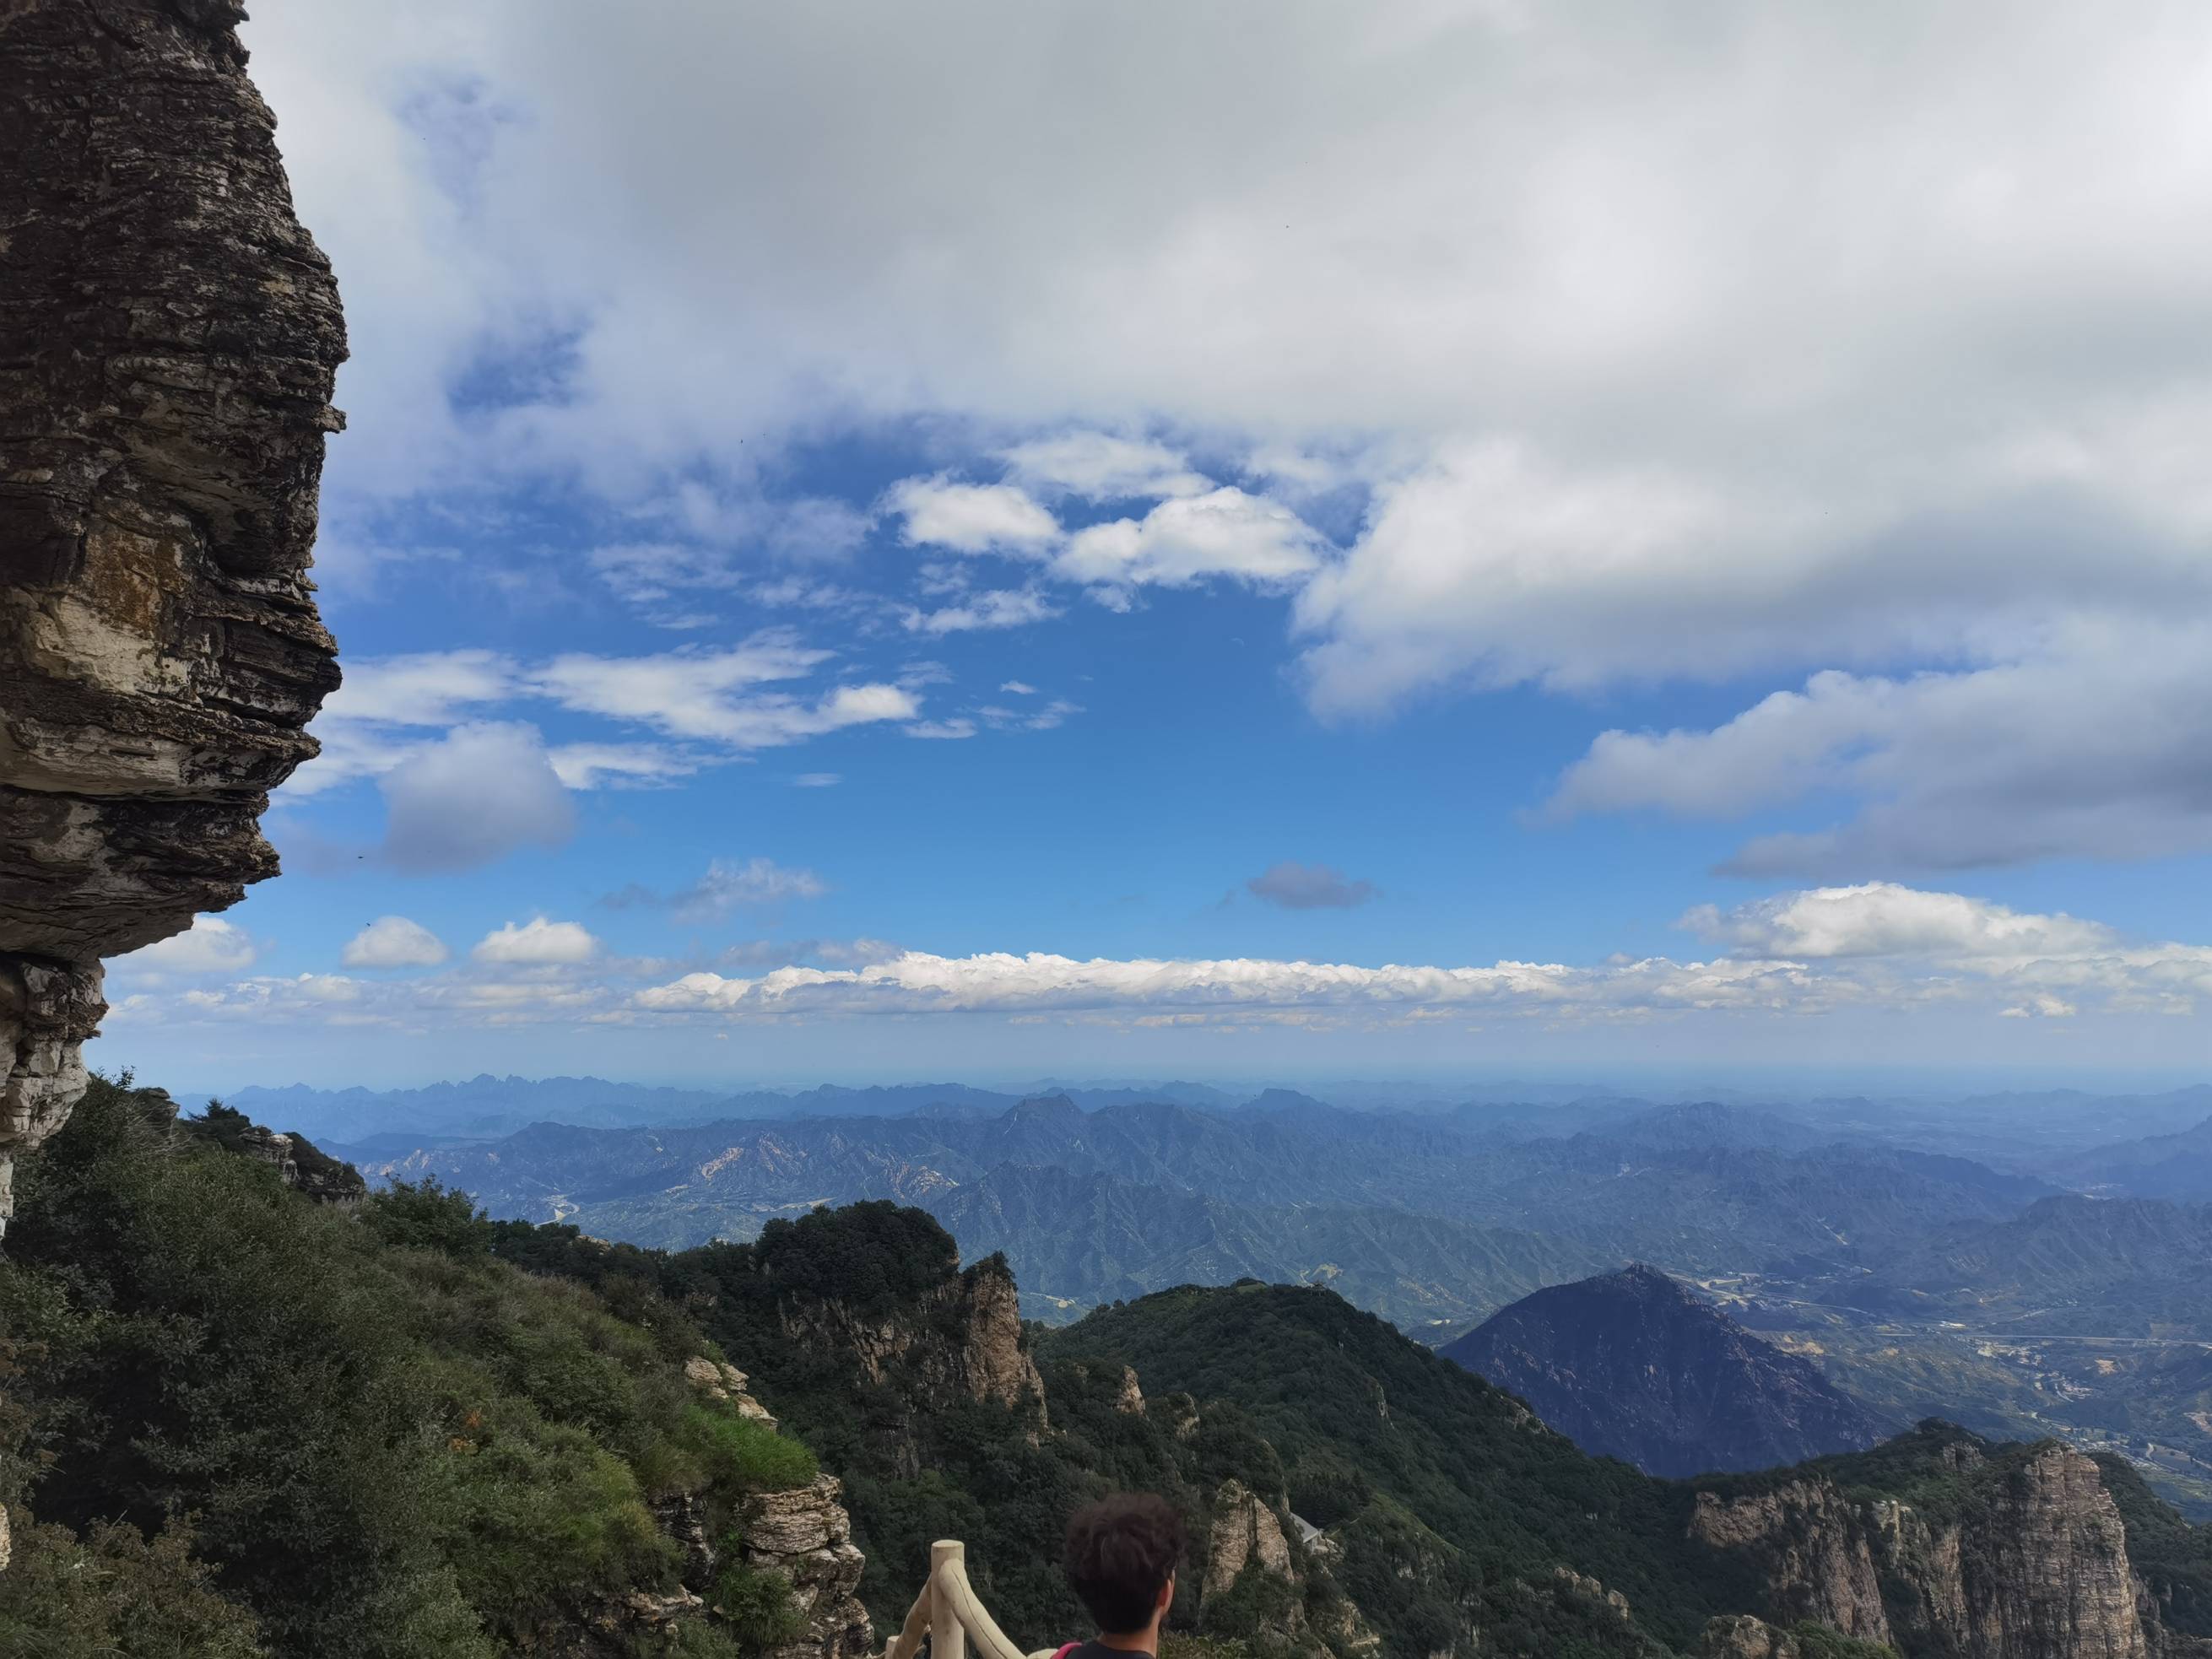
column 1740, row 1636
column 1245, row 1531
column 962, row 1340
column 806, row 1535
column 168, row 336
column 1259, row 1588
column 2023, row 1555
column 1813, row 1546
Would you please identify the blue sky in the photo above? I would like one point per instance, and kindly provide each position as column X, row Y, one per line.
column 1443, row 541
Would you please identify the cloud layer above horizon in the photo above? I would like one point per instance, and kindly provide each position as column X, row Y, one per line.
column 1264, row 515
column 1819, row 950
column 1868, row 347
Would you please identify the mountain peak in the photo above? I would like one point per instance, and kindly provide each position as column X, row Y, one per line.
column 1055, row 1109
column 1634, row 1365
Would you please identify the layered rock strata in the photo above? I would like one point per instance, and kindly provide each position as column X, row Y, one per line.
column 806, row 1535
column 2024, row 1558
column 168, row 337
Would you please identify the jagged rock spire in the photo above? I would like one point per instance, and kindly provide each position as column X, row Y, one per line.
column 168, row 336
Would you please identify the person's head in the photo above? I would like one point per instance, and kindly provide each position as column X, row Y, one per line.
column 1121, row 1559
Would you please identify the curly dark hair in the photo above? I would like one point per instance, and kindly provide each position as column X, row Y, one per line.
column 1121, row 1552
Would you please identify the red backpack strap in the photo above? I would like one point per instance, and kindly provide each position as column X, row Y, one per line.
column 1066, row 1648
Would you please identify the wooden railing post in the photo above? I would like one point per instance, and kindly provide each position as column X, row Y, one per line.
column 948, row 1638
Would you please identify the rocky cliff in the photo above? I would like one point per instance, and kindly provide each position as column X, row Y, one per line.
column 960, row 1339
column 804, row 1536
column 1275, row 1596
column 168, row 337
column 1984, row 1552
column 807, row 1537
column 1245, row 1534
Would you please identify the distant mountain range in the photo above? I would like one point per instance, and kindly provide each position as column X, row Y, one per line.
column 485, row 1108
column 1649, row 1190
column 2177, row 1166
column 2108, row 1267
column 1081, row 1240
column 1633, row 1365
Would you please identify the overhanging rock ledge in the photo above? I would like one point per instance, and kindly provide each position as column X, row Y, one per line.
column 169, row 338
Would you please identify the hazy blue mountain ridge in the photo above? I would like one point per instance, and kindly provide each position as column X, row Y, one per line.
column 1632, row 1365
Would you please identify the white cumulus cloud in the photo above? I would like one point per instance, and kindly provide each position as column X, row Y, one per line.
column 1882, row 918
column 1780, row 342
column 1015, row 607
column 484, row 791
column 393, row 942
column 730, row 884
column 972, row 518
column 209, row 946
column 1224, row 532
column 1815, row 952
column 2096, row 745
column 537, row 943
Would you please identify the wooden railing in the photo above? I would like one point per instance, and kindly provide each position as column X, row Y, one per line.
column 948, row 1612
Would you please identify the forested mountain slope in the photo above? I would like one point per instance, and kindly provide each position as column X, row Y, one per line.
column 1632, row 1366
column 392, row 1426
column 1075, row 1241
column 238, row 1422
column 1446, row 1498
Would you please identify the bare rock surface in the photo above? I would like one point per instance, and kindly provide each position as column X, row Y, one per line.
column 1740, row 1636
column 168, row 337
column 807, row 1536
column 986, row 1361
column 2025, row 1559
column 804, row 1535
column 1245, row 1530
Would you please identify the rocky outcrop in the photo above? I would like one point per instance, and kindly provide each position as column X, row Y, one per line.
column 1595, row 1592
column 1259, row 1588
column 807, row 1537
column 1245, row 1531
column 962, row 1340
column 718, row 1379
column 1813, row 1549
column 47, row 1011
column 1740, row 1636
column 804, row 1535
column 2005, row 1553
column 1130, row 1401
column 168, row 336
column 299, row 1165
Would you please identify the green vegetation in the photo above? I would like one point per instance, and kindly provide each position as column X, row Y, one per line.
column 1817, row 1641
column 2175, row 1556
column 919, row 1458
column 116, row 1592
column 239, row 1425
column 246, row 1422
column 1472, row 1500
column 756, row 1601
